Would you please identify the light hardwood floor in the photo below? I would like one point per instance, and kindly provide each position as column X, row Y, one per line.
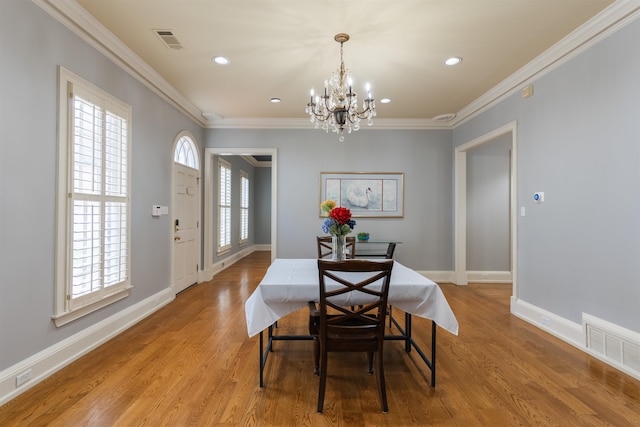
column 192, row 364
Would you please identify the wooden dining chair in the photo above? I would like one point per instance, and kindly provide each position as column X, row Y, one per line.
column 325, row 246
column 357, row 328
column 390, row 250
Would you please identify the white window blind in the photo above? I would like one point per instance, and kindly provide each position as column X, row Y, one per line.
column 244, row 207
column 94, row 269
column 224, row 206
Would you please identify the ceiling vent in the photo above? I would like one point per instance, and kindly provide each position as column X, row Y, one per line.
column 168, row 39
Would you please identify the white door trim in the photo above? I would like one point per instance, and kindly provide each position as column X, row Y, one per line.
column 460, row 198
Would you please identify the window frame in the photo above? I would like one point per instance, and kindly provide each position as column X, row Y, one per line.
column 224, row 206
column 66, row 307
column 185, row 151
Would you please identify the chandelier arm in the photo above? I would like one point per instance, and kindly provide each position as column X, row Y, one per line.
column 326, row 105
column 313, row 109
column 363, row 114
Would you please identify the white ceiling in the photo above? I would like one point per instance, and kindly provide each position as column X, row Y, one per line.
column 281, row 48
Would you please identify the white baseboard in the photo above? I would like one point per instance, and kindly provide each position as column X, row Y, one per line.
column 50, row 360
column 570, row 332
column 439, row 276
column 472, row 276
column 489, row 277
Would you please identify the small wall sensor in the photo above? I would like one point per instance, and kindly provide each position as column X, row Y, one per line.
column 538, row 197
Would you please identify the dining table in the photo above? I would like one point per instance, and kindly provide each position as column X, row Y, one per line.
column 291, row 283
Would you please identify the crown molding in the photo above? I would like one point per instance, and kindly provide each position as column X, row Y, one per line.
column 258, row 123
column 78, row 20
column 89, row 29
column 611, row 19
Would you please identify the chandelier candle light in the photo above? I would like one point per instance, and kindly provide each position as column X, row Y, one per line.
column 338, row 107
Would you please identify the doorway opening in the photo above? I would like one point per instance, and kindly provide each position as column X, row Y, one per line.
column 460, row 194
column 209, row 196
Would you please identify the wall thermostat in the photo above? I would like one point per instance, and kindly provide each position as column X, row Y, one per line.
column 538, row 197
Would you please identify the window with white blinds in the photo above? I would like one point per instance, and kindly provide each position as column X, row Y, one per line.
column 224, row 206
column 93, row 268
column 244, row 207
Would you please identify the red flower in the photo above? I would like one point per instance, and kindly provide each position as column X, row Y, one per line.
column 340, row 215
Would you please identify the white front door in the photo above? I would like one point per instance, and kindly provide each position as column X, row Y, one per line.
column 185, row 226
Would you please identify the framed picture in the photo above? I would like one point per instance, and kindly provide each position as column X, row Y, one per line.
column 366, row 194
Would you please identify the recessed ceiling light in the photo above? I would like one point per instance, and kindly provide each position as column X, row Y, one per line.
column 275, row 100
column 385, row 100
column 453, row 60
column 221, row 60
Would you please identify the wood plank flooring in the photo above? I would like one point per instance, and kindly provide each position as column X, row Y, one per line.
column 192, row 364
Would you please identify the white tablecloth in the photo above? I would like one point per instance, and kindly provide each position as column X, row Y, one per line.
column 290, row 283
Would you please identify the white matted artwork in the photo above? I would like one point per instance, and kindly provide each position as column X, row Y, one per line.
column 366, row 194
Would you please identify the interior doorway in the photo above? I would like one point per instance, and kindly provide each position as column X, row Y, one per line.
column 209, row 196
column 461, row 274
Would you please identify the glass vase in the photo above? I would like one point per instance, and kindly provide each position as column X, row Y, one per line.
column 338, row 248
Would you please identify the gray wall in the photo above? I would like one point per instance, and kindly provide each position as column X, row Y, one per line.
column 579, row 142
column 488, row 225
column 262, row 206
column 32, row 45
column 425, row 157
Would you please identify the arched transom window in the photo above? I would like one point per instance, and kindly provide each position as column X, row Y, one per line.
column 186, row 153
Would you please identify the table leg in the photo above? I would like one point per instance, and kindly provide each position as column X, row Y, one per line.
column 270, row 337
column 261, row 362
column 407, row 328
column 264, row 352
column 433, row 353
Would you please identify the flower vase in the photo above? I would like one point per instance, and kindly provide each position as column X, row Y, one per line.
column 338, row 247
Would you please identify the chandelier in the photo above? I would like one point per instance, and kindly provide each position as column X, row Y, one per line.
column 338, row 107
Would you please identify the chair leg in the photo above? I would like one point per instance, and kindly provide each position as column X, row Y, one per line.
column 382, row 391
column 370, row 363
column 323, row 381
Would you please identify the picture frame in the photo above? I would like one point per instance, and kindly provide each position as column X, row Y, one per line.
column 365, row 194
